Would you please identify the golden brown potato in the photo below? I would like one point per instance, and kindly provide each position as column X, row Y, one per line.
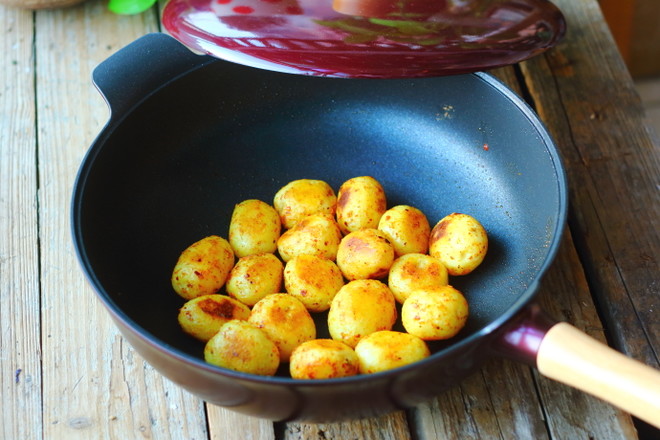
column 316, row 234
column 313, row 280
column 203, row 267
column 434, row 314
column 203, row 316
column 415, row 271
column 323, row 359
column 255, row 276
column 360, row 308
column 254, row 228
column 407, row 228
column 386, row 350
column 459, row 242
column 361, row 202
column 240, row 346
column 300, row 198
column 285, row 320
column 363, row 254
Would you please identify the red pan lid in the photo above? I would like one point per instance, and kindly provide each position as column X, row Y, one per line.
column 367, row 38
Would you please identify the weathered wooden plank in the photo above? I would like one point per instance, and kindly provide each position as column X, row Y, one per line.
column 565, row 296
column 94, row 385
column 228, row 425
column 392, row 426
column 20, row 369
column 613, row 168
column 498, row 402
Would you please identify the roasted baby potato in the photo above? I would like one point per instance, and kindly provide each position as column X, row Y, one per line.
column 255, row 276
column 323, row 359
column 316, row 234
column 361, row 202
column 363, row 254
column 407, row 229
column 415, row 271
column 360, row 308
column 203, row 316
column 434, row 314
column 313, row 280
column 240, row 346
column 203, row 267
column 459, row 242
column 300, row 198
column 386, row 350
column 285, row 320
column 254, row 228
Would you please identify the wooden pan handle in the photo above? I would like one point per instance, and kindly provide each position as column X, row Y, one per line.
column 570, row 356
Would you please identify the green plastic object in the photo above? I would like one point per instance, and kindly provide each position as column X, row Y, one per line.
column 130, row 7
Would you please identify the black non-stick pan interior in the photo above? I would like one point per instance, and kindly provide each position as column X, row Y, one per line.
column 169, row 172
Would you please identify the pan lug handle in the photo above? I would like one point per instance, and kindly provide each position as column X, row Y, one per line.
column 521, row 338
column 141, row 68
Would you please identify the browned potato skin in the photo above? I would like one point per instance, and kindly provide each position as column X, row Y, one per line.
column 435, row 314
column 361, row 202
column 300, row 198
column 386, row 350
column 365, row 254
column 202, row 317
column 203, row 267
column 313, row 280
column 407, row 228
column 240, row 346
column 323, row 359
column 254, row 228
column 285, row 320
column 412, row 272
column 460, row 242
column 255, row 276
column 316, row 234
column 360, row 308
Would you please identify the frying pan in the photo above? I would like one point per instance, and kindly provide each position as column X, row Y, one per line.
column 190, row 136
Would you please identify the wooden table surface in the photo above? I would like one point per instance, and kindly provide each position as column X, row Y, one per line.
column 67, row 373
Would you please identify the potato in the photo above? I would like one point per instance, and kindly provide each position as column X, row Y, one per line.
column 316, row 234
column 361, row 202
column 459, row 242
column 203, row 267
column 407, row 229
column 434, row 314
column 360, row 308
column 254, row 228
column 415, row 271
column 285, row 320
column 300, row 198
column 323, row 359
column 255, row 276
column 203, row 316
column 386, row 350
column 313, row 280
column 365, row 254
column 240, row 346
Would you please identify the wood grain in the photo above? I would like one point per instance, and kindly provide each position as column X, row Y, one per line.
column 20, row 369
column 498, row 402
column 392, row 426
column 613, row 168
column 94, row 385
column 565, row 296
column 228, row 425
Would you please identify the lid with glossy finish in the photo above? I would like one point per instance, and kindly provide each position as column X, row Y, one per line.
column 367, row 38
